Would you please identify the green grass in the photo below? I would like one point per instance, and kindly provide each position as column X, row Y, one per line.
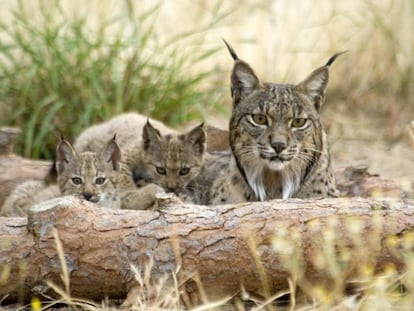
column 58, row 75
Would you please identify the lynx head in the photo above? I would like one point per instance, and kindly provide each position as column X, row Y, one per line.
column 172, row 161
column 276, row 134
column 91, row 176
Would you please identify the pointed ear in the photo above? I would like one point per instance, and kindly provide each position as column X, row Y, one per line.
column 315, row 84
column 65, row 153
column 243, row 81
column 197, row 138
column 150, row 135
column 112, row 153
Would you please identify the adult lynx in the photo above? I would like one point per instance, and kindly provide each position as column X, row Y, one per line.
column 279, row 145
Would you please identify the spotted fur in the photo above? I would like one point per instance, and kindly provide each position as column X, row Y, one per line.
column 88, row 175
column 279, row 145
column 170, row 160
column 161, row 163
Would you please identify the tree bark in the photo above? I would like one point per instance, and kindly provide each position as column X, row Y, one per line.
column 14, row 169
column 227, row 247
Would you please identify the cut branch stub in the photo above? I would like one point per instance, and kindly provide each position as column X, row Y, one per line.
column 7, row 139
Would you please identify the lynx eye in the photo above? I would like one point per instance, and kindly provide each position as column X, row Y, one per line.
column 100, row 180
column 299, row 122
column 76, row 181
column 184, row 171
column 259, row 119
column 160, row 170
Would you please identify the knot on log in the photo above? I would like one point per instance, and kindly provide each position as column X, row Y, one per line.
column 411, row 133
column 7, row 139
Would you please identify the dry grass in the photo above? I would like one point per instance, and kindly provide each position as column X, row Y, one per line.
column 369, row 104
column 344, row 276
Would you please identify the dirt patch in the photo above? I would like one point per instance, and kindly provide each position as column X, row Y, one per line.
column 360, row 139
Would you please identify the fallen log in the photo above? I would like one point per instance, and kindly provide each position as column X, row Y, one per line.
column 15, row 169
column 226, row 248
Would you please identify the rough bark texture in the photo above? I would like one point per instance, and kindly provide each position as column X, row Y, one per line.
column 227, row 246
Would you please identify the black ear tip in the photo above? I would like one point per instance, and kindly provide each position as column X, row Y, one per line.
column 334, row 57
column 231, row 50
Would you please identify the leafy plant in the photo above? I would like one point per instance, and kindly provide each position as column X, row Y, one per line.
column 59, row 75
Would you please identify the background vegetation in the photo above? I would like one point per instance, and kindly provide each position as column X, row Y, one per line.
column 59, row 74
column 65, row 65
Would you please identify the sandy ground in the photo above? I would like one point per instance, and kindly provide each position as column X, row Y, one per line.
column 364, row 141
column 389, row 160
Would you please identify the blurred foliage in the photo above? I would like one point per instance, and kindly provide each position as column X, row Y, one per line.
column 58, row 75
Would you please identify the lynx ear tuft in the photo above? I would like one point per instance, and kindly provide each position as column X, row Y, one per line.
column 243, row 78
column 315, row 84
column 231, row 50
column 334, row 57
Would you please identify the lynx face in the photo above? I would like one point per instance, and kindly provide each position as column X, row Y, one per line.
column 93, row 177
column 276, row 134
column 170, row 161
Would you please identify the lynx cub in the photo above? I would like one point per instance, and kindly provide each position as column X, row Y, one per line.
column 169, row 161
column 89, row 175
column 92, row 176
column 156, row 158
column 279, row 145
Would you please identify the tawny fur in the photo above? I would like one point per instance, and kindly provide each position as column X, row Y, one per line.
column 146, row 145
column 89, row 175
column 159, row 163
column 279, row 145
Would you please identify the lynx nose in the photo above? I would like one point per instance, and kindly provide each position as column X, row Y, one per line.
column 87, row 195
column 172, row 186
column 278, row 146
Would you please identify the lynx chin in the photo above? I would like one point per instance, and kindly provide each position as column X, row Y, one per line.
column 279, row 145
